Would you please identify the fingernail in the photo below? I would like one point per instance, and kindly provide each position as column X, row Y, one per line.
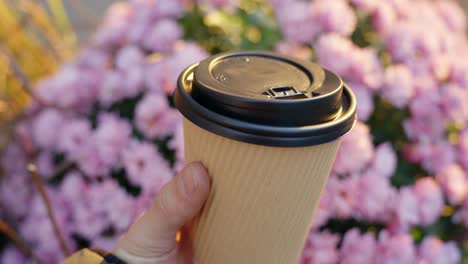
column 190, row 181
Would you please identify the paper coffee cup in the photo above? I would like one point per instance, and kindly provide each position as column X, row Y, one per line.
column 267, row 127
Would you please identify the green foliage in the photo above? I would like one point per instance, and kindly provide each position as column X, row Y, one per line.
column 250, row 27
column 363, row 35
column 126, row 107
column 120, row 176
column 444, row 228
column 406, row 173
column 386, row 123
column 62, row 167
column 341, row 226
column 210, row 37
column 169, row 154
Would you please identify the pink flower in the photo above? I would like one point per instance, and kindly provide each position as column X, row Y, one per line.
column 462, row 150
column 427, row 121
column 92, row 211
column 128, row 79
column 373, row 200
column 226, row 4
column 78, row 141
column 71, row 87
column 336, row 16
column 454, row 182
column 357, row 248
column 162, row 36
column 146, row 167
column 356, row 141
column 430, row 200
column 154, row 118
column 13, row 159
column 354, row 64
column 439, row 66
column 75, row 134
column 115, row 26
column 395, row 249
column 454, row 102
column 45, row 126
column 385, row 160
column 90, row 161
column 45, row 164
column 453, row 15
column 462, row 214
column 366, row 5
column 12, row 255
column 365, row 67
column 133, row 81
column 459, row 72
column 38, row 231
column 407, row 42
column 340, row 196
column 93, row 58
column 129, row 57
column 333, row 52
column 434, row 251
column 16, row 192
column 443, row 152
column 296, row 22
column 111, row 137
column 320, row 248
column 295, row 50
column 156, row 77
column 112, row 89
column 406, row 209
column 172, row 9
column 383, row 17
column 186, row 53
column 119, row 213
column 365, row 100
column 425, row 83
column 321, row 214
column 73, row 186
column 398, row 85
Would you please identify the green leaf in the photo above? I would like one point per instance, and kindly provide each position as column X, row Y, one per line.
column 341, row 226
column 386, row 123
column 126, row 108
column 163, row 148
column 120, row 176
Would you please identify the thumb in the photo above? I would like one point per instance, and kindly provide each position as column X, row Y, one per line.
column 151, row 239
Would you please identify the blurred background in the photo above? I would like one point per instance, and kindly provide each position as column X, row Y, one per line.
column 85, row 14
column 86, row 117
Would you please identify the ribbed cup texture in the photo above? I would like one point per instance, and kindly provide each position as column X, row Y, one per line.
column 262, row 198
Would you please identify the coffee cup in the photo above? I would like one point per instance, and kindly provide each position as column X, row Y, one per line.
column 267, row 128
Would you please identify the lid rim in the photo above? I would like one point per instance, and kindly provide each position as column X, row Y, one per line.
column 260, row 134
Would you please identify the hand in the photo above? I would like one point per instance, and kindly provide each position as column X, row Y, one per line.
column 152, row 237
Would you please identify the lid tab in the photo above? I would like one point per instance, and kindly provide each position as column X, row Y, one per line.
column 285, row 92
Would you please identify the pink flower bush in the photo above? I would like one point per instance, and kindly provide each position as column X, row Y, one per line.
column 433, row 250
column 414, row 76
column 358, row 248
column 108, row 130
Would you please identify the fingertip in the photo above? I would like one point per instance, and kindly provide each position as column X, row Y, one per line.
column 200, row 170
column 197, row 168
column 201, row 177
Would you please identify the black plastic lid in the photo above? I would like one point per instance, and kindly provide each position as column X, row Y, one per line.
column 266, row 98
